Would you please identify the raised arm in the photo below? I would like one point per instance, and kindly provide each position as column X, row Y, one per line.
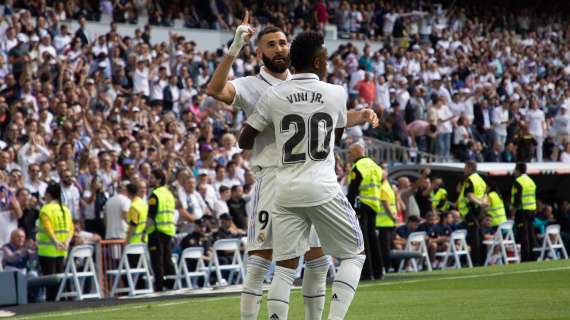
column 218, row 87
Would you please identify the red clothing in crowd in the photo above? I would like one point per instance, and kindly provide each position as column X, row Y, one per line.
column 367, row 91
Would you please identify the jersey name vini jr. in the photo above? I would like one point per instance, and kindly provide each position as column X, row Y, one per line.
column 305, row 96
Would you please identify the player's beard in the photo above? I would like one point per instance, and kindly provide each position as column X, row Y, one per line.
column 275, row 65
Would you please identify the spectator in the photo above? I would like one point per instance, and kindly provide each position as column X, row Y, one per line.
column 402, row 232
column 19, row 254
column 237, row 207
column 221, row 205
column 10, row 212
column 70, row 195
column 116, row 211
column 30, row 212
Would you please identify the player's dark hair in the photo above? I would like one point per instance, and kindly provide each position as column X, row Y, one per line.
column 304, row 48
column 268, row 30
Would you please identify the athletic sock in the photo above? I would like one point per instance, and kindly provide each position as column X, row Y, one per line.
column 251, row 294
column 314, row 287
column 279, row 292
column 344, row 286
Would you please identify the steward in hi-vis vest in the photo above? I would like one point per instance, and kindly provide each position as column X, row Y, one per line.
column 523, row 210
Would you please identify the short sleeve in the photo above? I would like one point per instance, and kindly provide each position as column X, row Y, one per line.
column 126, row 206
column 342, row 118
column 261, row 116
column 239, row 101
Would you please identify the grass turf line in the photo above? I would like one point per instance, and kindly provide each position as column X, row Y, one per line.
column 524, row 291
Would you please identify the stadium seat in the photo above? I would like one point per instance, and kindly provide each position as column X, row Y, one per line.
column 504, row 239
column 185, row 276
column 235, row 267
column 457, row 248
column 551, row 243
column 132, row 274
column 416, row 243
column 79, row 269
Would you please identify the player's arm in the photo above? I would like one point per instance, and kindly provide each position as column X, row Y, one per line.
column 247, row 137
column 358, row 117
column 218, row 87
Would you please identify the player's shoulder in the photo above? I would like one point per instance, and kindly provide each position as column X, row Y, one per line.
column 333, row 88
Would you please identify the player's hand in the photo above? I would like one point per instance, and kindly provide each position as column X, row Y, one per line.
column 368, row 115
column 243, row 34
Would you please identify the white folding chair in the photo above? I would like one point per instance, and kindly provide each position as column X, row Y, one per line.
column 504, row 239
column 417, row 243
column 132, row 273
column 79, row 269
column 235, row 267
column 551, row 243
column 457, row 247
column 186, row 276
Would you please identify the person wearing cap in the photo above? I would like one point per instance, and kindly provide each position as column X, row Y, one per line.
column 161, row 228
column 523, row 210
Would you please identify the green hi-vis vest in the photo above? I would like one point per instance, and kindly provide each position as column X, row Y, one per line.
column 439, row 200
column 164, row 219
column 528, row 197
column 479, row 188
column 369, row 190
column 142, row 209
column 62, row 225
column 385, row 219
column 496, row 209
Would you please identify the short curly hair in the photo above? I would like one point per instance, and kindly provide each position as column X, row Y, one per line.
column 304, row 48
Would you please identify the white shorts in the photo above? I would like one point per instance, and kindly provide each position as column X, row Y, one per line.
column 335, row 222
column 261, row 206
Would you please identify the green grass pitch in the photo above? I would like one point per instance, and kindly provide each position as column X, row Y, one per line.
column 524, row 291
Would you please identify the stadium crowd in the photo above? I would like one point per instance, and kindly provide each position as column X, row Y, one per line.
column 94, row 113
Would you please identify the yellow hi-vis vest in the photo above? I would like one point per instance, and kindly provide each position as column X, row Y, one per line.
column 528, row 197
column 496, row 209
column 439, row 199
column 62, row 225
column 479, row 188
column 164, row 219
column 383, row 218
column 369, row 190
column 142, row 211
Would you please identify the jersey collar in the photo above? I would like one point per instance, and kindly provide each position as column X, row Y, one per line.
column 267, row 77
column 305, row 76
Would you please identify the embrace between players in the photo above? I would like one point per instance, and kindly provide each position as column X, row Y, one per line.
column 293, row 122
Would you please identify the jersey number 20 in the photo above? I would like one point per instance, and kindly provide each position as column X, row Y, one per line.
column 299, row 127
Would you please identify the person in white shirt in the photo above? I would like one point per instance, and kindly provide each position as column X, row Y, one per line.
column 500, row 122
column 383, row 93
column 34, row 184
column 70, row 195
column 221, row 206
column 10, row 212
column 536, row 126
column 444, row 128
column 565, row 156
column 243, row 94
column 561, row 125
column 190, row 200
column 141, row 78
column 308, row 116
column 116, row 211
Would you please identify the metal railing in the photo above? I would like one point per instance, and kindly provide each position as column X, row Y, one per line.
column 382, row 151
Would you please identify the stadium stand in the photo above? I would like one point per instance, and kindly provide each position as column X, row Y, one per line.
column 449, row 83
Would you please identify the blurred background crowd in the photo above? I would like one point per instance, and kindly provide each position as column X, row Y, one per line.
column 94, row 112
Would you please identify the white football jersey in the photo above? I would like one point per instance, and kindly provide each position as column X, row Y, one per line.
column 248, row 91
column 304, row 113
